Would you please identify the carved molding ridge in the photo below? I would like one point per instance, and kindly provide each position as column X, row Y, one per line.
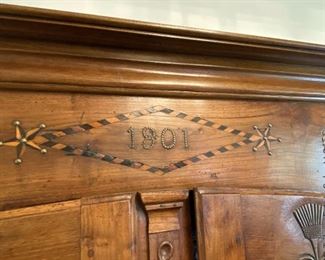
column 50, row 138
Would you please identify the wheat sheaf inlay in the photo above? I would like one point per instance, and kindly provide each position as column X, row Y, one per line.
column 50, row 139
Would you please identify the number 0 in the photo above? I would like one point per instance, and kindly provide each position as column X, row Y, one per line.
column 163, row 142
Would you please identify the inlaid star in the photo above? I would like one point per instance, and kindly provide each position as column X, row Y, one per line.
column 24, row 139
column 266, row 139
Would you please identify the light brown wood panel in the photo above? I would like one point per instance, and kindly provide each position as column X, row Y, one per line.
column 42, row 232
column 245, row 224
column 296, row 163
column 114, row 228
column 166, row 246
column 163, row 220
column 219, row 227
column 170, row 229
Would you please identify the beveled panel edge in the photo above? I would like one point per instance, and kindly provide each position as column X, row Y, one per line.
column 128, row 196
column 164, row 196
column 40, row 209
column 254, row 191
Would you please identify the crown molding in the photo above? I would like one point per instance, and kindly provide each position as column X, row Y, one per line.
column 47, row 50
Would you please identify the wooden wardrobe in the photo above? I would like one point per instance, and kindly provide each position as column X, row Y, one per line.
column 127, row 140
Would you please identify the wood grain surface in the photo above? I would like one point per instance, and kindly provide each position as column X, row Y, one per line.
column 296, row 163
column 169, row 224
column 250, row 225
column 43, row 232
column 56, row 51
column 104, row 87
column 113, row 228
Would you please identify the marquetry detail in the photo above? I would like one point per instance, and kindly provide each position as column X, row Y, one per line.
column 311, row 220
column 265, row 138
column 149, row 137
column 24, row 139
column 131, row 131
column 164, row 144
column 49, row 139
column 185, row 136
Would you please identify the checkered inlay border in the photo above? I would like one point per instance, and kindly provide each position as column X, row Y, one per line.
column 49, row 138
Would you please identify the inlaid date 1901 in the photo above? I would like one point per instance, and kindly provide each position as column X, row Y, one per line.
column 168, row 138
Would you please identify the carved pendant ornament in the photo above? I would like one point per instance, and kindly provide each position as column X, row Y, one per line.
column 311, row 220
column 49, row 139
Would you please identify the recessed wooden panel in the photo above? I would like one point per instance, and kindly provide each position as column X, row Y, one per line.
column 42, row 232
column 164, row 220
column 219, row 227
column 113, row 228
column 252, row 225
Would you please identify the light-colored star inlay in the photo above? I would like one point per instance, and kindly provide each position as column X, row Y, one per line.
column 24, row 139
column 266, row 138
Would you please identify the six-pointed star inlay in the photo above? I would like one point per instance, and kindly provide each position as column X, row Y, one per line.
column 24, row 139
column 34, row 140
column 266, row 139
